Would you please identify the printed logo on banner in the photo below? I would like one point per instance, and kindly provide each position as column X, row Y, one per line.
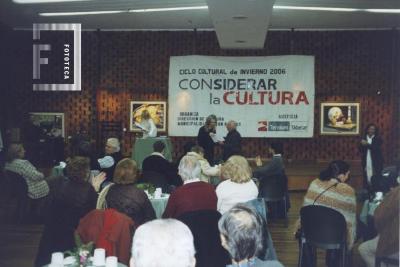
column 56, row 57
column 299, row 125
column 262, row 126
column 279, row 126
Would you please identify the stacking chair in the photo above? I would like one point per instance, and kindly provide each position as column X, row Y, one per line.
column 324, row 228
column 17, row 188
column 273, row 190
column 204, row 226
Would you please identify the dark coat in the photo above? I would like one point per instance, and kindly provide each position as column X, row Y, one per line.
column 156, row 163
column 273, row 168
column 376, row 155
column 71, row 201
column 232, row 145
column 205, row 141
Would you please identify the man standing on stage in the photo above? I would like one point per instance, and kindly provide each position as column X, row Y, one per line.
column 232, row 144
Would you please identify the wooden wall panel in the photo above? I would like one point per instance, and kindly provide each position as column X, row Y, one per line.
column 118, row 67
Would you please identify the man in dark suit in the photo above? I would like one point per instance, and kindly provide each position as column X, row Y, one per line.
column 232, row 144
column 273, row 168
column 156, row 162
column 274, row 171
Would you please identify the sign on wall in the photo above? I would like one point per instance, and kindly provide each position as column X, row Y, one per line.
column 267, row 96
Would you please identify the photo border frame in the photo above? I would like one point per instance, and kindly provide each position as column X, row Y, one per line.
column 323, row 110
column 135, row 104
column 52, row 114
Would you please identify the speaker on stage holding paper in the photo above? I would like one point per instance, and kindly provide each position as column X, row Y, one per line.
column 147, row 125
column 205, row 138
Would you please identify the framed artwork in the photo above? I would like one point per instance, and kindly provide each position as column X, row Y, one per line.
column 340, row 118
column 157, row 110
column 50, row 124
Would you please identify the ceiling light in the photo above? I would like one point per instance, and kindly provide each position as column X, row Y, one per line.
column 44, row 1
column 168, row 9
column 313, row 8
column 80, row 13
column 383, row 10
column 240, row 41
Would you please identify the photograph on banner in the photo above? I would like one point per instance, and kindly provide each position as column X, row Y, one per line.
column 48, row 123
column 156, row 109
column 267, row 96
column 340, row 118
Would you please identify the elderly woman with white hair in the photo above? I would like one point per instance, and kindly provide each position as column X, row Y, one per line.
column 169, row 239
column 111, row 158
column 238, row 186
column 193, row 194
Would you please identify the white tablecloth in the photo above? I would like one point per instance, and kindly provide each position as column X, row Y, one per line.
column 159, row 204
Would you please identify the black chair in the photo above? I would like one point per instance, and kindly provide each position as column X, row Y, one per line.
column 204, row 227
column 324, row 228
column 274, row 191
column 17, row 190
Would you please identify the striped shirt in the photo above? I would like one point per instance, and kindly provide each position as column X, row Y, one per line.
column 37, row 185
column 340, row 198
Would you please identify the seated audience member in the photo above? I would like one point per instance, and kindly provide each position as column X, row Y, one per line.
column 79, row 136
column 84, row 149
column 193, row 194
column 15, row 162
column 273, row 168
column 386, row 180
column 386, row 220
column 164, row 242
column 243, row 235
column 72, row 198
column 108, row 229
column 187, row 147
column 156, row 162
column 238, row 186
column 330, row 190
column 124, row 196
column 111, row 158
column 206, row 169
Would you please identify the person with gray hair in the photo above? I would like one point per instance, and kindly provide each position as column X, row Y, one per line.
column 233, row 141
column 243, row 234
column 170, row 239
column 193, row 194
column 109, row 161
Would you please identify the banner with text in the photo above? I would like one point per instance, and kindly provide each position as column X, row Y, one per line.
column 266, row 96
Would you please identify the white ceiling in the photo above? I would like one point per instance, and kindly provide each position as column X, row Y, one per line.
column 218, row 16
